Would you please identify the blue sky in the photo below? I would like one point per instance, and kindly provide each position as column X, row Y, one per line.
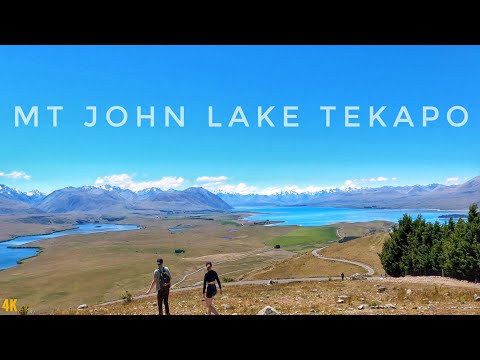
column 242, row 159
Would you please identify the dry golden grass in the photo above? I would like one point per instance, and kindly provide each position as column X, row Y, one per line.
column 13, row 226
column 305, row 265
column 99, row 267
column 362, row 228
column 364, row 249
column 312, row 298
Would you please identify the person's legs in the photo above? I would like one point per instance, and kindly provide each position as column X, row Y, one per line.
column 159, row 302
column 213, row 307
column 165, row 299
column 208, row 304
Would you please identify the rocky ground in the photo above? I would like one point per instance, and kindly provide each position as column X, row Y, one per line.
column 409, row 295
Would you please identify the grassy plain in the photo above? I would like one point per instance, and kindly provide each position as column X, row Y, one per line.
column 94, row 268
column 305, row 238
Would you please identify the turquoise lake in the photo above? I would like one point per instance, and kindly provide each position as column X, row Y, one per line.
column 308, row 216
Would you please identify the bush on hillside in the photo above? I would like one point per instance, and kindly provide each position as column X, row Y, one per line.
column 23, row 310
column 127, row 297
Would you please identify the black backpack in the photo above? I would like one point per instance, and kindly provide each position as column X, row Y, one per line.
column 163, row 277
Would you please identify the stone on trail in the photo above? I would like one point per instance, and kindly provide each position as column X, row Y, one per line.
column 227, row 306
column 357, row 276
column 340, row 301
column 390, row 306
column 409, row 292
column 83, row 306
column 476, row 297
column 268, row 310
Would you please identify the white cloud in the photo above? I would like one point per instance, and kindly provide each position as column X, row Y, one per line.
column 295, row 188
column 16, row 175
column 394, row 178
column 212, row 179
column 240, row 188
column 126, row 181
column 377, row 179
column 349, row 184
column 452, row 181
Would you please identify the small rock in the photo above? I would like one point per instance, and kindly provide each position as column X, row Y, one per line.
column 361, row 299
column 344, row 297
column 340, row 301
column 268, row 310
column 271, row 282
column 312, row 310
column 431, row 307
column 234, row 314
column 227, row 306
column 363, row 306
column 390, row 306
column 314, row 290
column 476, row 297
column 381, row 289
column 223, row 297
column 409, row 292
column 357, row 276
column 83, row 306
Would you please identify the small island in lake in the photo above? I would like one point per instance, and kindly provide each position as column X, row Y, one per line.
column 453, row 216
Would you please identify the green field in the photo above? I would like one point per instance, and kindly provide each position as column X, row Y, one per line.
column 305, row 238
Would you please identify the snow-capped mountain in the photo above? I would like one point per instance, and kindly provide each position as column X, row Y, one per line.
column 416, row 196
column 14, row 194
column 109, row 199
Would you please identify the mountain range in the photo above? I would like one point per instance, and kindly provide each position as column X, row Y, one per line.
column 433, row 196
column 112, row 199
column 108, row 199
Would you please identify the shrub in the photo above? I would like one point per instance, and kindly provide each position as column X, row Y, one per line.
column 23, row 310
column 228, row 279
column 127, row 297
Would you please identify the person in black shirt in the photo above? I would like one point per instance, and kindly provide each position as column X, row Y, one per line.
column 209, row 283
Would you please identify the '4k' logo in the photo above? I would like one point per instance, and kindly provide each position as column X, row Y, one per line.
column 10, row 305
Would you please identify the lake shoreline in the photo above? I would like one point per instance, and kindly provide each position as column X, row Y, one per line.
column 40, row 249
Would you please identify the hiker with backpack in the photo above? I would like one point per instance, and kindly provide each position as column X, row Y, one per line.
column 162, row 279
